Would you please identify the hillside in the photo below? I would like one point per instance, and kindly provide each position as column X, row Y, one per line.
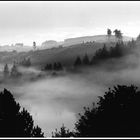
column 66, row 55
column 78, row 40
column 97, row 38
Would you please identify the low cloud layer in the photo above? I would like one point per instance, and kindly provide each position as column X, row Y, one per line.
column 56, row 100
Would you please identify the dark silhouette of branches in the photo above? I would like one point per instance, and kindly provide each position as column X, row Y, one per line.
column 64, row 132
column 14, row 121
column 116, row 114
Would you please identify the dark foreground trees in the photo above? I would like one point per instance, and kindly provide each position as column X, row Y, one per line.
column 64, row 132
column 117, row 114
column 14, row 121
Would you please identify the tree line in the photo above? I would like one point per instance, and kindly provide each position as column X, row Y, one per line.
column 104, row 53
column 116, row 114
column 26, row 62
column 13, row 73
column 14, row 120
column 56, row 66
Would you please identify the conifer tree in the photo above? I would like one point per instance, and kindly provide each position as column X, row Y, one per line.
column 6, row 70
column 86, row 60
column 78, row 61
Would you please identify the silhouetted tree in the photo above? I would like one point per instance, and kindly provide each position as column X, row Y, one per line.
column 14, row 121
column 64, row 132
column 116, row 114
column 78, row 61
column 100, row 54
column 116, row 51
column 55, row 66
column 14, row 71
column 37, row 132
column 104, row 52
column 118, row 35
column 86, row 60
column 59, row 66
column 6, row 71
column 109, row 32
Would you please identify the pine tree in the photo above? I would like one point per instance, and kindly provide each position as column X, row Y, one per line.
column 59, row 65
column 78, row 61
column 6, row 70
column 104, row 52
column 86, row 60
column 116, row 114
column 63, row 132
column 14, row 71
column 14, row 121
column 55, row 66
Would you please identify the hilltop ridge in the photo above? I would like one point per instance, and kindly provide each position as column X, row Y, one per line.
column 78, row 40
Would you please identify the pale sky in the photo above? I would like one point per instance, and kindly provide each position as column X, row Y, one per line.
column 28, row 21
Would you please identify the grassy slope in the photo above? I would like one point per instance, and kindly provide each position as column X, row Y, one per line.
column 65, row 55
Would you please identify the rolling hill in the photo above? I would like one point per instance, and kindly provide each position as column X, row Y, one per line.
column 79, row 40
column 97, row 38
column 66, row 55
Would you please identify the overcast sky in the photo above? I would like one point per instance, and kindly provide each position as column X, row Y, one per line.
column 26, row 22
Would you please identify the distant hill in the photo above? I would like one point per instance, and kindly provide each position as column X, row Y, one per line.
column 79, row 40
column 15, row 48
column 67, row 42
column 66, row 55
column 97, row 38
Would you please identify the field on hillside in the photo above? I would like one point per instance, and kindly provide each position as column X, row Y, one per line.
column 65, row 55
